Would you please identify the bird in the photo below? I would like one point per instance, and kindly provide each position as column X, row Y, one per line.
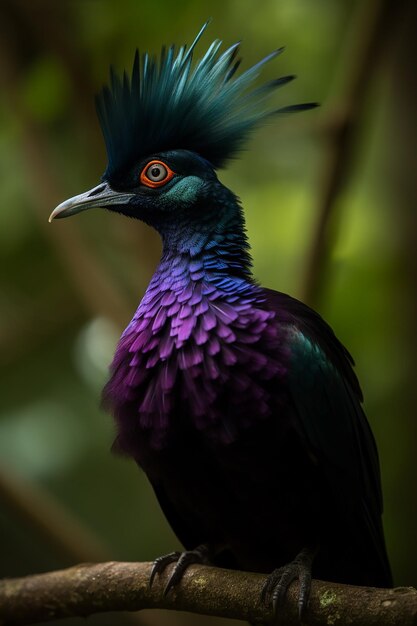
column 237, row 401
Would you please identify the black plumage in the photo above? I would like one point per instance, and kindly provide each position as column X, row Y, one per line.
column 238, row 402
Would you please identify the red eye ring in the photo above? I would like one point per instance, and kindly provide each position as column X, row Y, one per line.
column 160, row 178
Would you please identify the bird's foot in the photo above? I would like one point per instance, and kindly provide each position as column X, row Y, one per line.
column 279, row 581
column 183, row 560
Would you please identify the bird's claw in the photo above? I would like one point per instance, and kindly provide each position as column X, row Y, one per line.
column 279, row 581
column 183, row 560
column 162, row 563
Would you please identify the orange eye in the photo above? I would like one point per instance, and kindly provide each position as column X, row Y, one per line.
column 156, row 174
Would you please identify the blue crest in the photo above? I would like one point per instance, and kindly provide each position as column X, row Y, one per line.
column 172, row 103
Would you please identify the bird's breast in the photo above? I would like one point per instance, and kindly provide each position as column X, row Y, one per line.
column 200, row 358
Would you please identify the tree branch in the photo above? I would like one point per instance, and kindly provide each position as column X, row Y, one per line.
column 97, row 291
column 86, row 589
column 372, row 31
column 63, row 532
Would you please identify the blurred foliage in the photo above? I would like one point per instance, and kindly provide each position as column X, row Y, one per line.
column 60, row 285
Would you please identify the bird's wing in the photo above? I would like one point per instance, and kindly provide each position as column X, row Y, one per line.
column 326, row 396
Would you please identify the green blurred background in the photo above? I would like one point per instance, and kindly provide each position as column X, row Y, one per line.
column 68, row 289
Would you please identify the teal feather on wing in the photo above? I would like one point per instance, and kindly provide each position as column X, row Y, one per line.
column 335, row 428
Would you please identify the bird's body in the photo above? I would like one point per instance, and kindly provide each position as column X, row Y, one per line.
column 238, row 402
column 211, row 385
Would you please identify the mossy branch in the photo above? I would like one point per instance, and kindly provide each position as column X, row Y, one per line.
column 93, row 588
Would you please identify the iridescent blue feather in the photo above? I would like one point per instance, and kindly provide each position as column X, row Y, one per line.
column 173, row 103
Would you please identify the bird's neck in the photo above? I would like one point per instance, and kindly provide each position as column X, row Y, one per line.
column 217, row 245
column 199, row 265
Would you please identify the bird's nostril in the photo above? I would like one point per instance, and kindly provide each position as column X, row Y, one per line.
column 97, row 190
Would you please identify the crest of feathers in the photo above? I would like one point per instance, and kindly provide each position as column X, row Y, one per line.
column 172, row 103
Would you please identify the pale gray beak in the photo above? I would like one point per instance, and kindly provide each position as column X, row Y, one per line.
column 102, row 196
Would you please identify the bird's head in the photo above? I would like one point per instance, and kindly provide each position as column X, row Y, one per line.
column 168, row 128
column 163, row 189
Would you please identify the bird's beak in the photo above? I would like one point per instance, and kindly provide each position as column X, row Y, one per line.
column 102, row 196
